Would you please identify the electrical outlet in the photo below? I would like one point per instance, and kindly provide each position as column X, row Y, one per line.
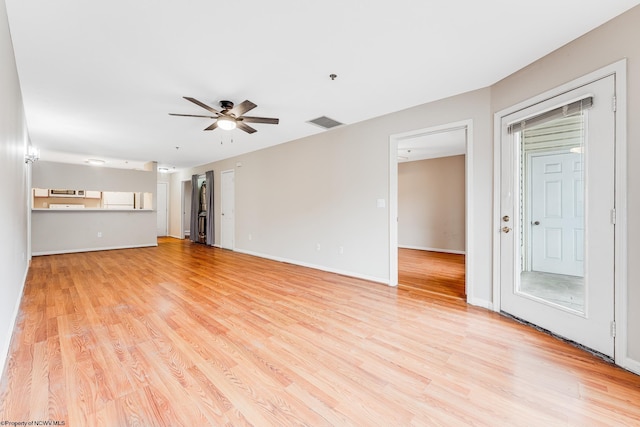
column 250, row 236
column 341, row 250
column 99, row 233
column 318, row 247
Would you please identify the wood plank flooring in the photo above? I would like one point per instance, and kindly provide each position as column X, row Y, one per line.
column 183, row 335
column 438, row 273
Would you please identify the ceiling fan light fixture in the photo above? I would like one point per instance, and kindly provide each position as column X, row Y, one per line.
column 226, row 123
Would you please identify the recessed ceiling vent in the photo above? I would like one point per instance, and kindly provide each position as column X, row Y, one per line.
column 325, row 122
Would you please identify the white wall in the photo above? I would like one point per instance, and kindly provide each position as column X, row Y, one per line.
column 323, row 190
column 431, row 204
column 68, row 231
column 14, row 176
column 605, row 45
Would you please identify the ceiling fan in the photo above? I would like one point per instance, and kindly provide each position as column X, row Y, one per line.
column 230, row 116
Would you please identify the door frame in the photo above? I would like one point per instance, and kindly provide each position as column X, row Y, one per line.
column 393, row 198
column 222, row 198
column 183, row 206
column 619, row 71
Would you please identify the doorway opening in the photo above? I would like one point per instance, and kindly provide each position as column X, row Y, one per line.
column 430, row 206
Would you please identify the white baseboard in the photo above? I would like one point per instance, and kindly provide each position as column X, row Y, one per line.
column 175, row 237
column 4, row 356
column 315, row 267
column 631, row 365
column 478, row 302
column 106, row 248
column 421, row 248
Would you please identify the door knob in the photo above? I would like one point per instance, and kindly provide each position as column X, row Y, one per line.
column 536, row 222
column 505, row 229
column 506, row 218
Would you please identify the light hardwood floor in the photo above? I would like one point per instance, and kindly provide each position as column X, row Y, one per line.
column 184, row 335
column 440, row 274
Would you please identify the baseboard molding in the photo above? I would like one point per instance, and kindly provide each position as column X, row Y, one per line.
column 4, row 356
column 315, row 266
column 478, row 302
column 176, row 237
column 631, row 365
column 105, row 248
column 421, row 248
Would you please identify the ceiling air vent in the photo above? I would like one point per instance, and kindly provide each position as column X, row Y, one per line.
column 325, row 122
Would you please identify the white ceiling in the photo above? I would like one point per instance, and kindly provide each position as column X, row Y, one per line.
column 432, row 145
column 99, row 78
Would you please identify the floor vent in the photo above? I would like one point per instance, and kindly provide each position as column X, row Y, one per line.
column 325, row 122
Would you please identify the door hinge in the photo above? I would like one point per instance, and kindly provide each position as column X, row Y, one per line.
column 613, row 328
column 613, row 216
column 614, row 103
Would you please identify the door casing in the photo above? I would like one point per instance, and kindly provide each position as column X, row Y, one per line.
column 393, row 200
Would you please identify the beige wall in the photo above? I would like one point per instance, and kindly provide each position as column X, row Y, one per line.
column 323, row 190
column 605, row 45
column 81, row 177
column 431, row 204
column 66, row 231
column 14, row 248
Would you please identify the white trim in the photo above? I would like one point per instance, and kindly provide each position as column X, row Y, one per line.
column 105, row 248
column 495, row 227
column 422, row 248
column 630, row 365
column 479, row 302
column 393, row 200
column 175, row 237
column 182, row 208
column 393, row 210
column 4, row 355
column 619, row 70
column 621, row 248
column 314, row 266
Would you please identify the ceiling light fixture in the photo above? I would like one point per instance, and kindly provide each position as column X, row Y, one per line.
column 226, row 123
column 95, row 162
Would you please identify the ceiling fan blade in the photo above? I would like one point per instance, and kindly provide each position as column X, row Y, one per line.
column 267, row 120
column 213, row 126
column 244, row 127
column 201, row 104
column 245, row 106
column 192, row 115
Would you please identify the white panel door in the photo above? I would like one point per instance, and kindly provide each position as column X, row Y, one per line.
column 557, row 217
column 161, row 209
column 227, row 210
column 580, row 309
